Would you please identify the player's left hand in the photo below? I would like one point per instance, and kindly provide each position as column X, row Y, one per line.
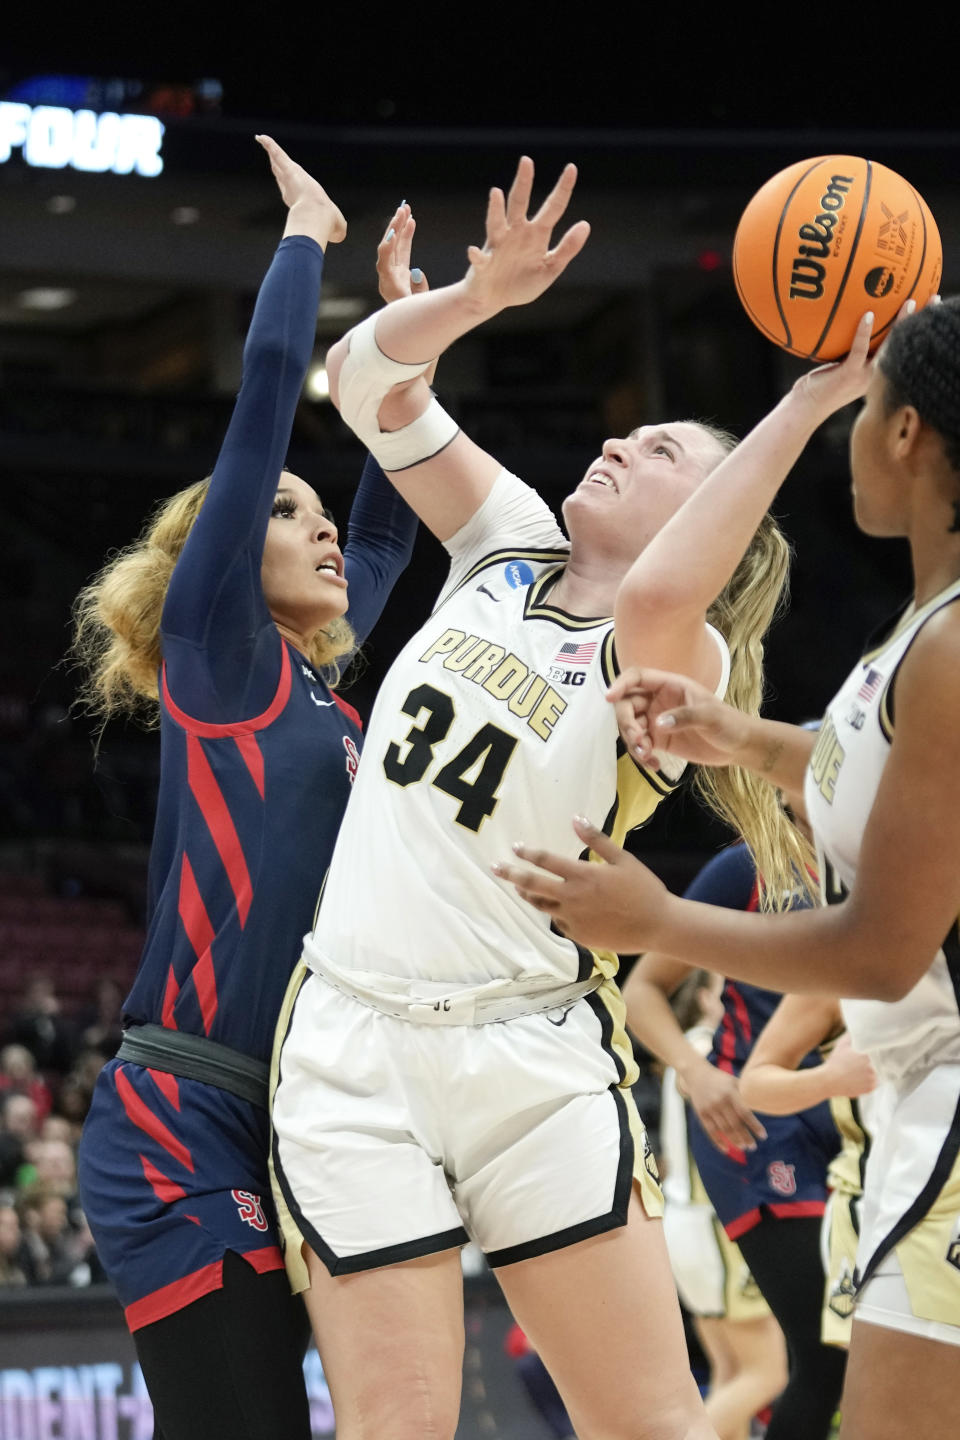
column 610, row 906
column 395, row 275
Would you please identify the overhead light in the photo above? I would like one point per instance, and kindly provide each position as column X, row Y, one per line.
column 46, row 297
column 341, row 307
column 61, row 204
column 318, row 383
column 185, row 215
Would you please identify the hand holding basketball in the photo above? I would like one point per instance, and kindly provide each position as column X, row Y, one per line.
column 826, row 240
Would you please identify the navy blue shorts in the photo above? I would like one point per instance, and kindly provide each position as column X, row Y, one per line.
column 786, row 1175
column 173, row 1173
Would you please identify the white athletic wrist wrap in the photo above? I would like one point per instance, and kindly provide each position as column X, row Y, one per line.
column 365, row 378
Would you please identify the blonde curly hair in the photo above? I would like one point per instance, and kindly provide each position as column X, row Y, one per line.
column 116, row 619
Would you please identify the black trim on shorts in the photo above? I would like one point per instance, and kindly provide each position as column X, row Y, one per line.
column 584, row 1229
column 606, row 1032
column 920, row 1208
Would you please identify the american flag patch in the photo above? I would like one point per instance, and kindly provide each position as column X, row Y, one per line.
column 571, row 654
column 870, row 686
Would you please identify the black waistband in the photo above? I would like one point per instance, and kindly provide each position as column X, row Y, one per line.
column 194, row 1057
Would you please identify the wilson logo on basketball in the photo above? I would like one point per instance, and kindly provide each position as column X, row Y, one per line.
column 807, row 276
column 782, row 1177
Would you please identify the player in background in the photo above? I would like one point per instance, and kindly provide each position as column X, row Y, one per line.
column 766, row 1176
column 449, row 1064
column 881, row 783
column 846, row 1080
column 240, row 593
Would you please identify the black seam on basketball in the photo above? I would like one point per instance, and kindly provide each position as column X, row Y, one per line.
column 776, row 247
column 853, row 255
column 761, row 326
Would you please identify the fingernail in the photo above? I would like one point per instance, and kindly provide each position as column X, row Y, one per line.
column 390, row 234
column 416, row 275
column 517, row 846
column 582, row 820
column 402, row 203
column 666, row 722
column 497, row 868
column 869, row 316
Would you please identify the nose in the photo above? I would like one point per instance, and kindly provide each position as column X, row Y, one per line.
column 326, row 530
column 615, row 451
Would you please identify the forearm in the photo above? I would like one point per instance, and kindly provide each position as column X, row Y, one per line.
column 653, row 1022
column 778, row 1091
column 420, row 327
column 777, row 752
column 832, row 951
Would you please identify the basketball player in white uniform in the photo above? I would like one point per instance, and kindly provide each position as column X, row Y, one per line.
column 882, row 791
column 450, row 1065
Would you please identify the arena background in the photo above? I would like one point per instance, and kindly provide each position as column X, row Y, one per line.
column 124, row 301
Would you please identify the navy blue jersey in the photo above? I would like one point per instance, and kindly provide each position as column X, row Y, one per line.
column 257, row 760
column 786, row 1174
column 257, row 756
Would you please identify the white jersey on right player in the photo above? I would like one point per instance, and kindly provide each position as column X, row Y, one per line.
column 492, row 726
column 923, row 1028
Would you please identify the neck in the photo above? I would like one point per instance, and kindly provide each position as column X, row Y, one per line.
column 587, row 588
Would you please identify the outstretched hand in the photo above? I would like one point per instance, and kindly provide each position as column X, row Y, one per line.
column 657, row 710
column 312, row 212
column 611, row 906
column 516, row 262
column 832, row 386
column 396, row 278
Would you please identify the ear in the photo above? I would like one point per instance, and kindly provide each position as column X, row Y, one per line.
column 905, row 431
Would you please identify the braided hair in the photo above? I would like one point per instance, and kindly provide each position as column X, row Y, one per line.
column 920, row 362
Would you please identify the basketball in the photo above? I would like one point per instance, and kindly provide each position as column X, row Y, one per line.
column 826, row 240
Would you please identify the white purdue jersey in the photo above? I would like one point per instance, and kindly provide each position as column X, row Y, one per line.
column 922, row 1029
column 491, row 727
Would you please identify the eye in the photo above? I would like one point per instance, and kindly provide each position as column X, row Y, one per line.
column 662, row 449
column 285, row 506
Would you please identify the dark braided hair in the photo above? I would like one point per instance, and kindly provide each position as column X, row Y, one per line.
column 920, row 362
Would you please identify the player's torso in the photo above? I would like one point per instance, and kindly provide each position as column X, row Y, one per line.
column 246, row 824
column 841, row 785
column 491, row 727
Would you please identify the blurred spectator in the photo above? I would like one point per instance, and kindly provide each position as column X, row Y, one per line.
column 99, row 1024
column 39, row 1026
column 56, row 1253
column 18, row 1126
column 12, row 1261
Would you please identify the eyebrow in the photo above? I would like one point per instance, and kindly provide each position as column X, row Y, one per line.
column 665, row 435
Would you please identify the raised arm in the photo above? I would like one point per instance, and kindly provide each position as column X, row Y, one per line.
column 220, row 644
column 663, row 599
column 714, row 1095
column 377, row 370
column 770, row 1079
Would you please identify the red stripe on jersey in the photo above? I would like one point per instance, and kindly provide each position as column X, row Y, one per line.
column 200, row 933
column 742, row 1014
column 167, row 1085
column 208, row 795
column 151, row 1124
column 728, row 1043
column 252, row 758
column 348, row 710
column 163, row 1187
column 269, row 1258
column 743, row 1223
column 787, row 1209
column 170, row 993
column 170, row 1298
column 240, row 727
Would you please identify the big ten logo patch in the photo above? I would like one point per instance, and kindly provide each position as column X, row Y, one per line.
column 249, row 1209
column 782, row 1177
column 353, row 757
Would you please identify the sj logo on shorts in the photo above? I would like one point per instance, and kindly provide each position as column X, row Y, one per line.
column 782, row 1177
column 249, row 1209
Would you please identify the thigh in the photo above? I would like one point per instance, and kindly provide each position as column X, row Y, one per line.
column 391, row 1343
column 898, row 1385
column 230, row 1366
column 603, row 1315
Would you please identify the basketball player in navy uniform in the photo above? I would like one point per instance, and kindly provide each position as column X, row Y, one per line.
column 239, row 591
column 449, row 1064
column 881, row 785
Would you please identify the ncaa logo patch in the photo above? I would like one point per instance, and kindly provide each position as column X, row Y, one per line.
column 517, row 574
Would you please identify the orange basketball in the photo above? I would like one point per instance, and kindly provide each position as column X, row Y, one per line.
column 826, row 240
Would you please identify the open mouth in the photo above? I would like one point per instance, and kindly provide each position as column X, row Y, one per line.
column 600, row 477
